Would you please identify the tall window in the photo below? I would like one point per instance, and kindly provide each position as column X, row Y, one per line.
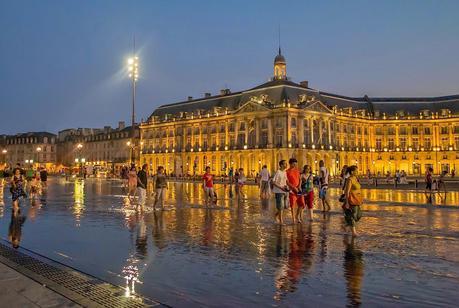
column 403, row 143
column 456, row 142
column 415, row 143
column 391, row 143
column 444, row 130
column 279, row 138
column 293, row 122
column 427, row 143
column 427, row 130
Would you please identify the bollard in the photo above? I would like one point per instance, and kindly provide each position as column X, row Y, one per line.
column 416, row 183
column 376, row 182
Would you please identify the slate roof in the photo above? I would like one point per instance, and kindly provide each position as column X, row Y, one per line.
column 283, row 90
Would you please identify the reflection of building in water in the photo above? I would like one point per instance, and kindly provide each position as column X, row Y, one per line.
column 131, row 274
column 353, row 272
column 78, row 197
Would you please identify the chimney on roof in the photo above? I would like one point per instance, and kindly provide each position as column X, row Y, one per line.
column 304, row 83
column 207, row 94
column 190, row 98
column 225, row 92
column 121, row 125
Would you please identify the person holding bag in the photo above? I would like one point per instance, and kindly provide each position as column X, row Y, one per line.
column 353, row 200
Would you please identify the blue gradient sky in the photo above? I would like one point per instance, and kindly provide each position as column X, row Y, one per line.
column 61, row 62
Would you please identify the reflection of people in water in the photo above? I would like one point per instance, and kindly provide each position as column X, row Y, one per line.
column 208, row 230
column 141, row 239
column 299, row 260
column 353, row 271
column 15, row 229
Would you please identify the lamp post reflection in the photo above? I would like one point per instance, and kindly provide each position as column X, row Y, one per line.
column 78, row 197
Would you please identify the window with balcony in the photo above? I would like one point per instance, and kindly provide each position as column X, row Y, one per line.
column 427, row 143
column 456, row 142
column 279, row 138
column 293, row 122
column 391, row 143
column 415, row 143
column 402, row 143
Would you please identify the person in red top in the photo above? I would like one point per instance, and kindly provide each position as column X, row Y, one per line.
column 208, row 186
column 293, row 182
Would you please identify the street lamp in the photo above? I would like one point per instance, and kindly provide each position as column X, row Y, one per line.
column 133, row 68
column 38, row 154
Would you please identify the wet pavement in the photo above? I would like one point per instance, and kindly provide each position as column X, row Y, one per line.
column 407, row 253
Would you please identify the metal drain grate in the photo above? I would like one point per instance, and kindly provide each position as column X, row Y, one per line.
column 83, row 289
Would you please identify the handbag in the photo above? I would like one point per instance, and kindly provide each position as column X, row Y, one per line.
column 355, row 199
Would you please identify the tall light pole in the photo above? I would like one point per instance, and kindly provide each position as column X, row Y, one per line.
column 133, row 67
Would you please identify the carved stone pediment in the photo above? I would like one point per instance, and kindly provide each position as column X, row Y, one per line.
column 317, row 106
column 251, row 106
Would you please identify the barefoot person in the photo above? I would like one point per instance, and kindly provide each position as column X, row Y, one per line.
column 323, row 185
column 142, row 183
column 264, row 182
column 307, row 189
column 293, row 182
column 208, row 186
column 280, row 190
column 160, row 185
column 353, row 200
column 240, row 183
column 17, row 188
column 429, row 181
column 132, row 182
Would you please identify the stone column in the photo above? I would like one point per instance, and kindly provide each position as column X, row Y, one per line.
column 270, row 132
column 300, row 130
column 329, row 132
column 311, row 129
column 257, row 132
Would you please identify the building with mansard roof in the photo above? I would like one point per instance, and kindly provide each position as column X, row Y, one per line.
column 280, row 119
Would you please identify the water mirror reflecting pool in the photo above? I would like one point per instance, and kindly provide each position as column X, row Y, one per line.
column 234, row 255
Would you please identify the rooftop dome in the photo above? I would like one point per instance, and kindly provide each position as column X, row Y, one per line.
column 279, row 58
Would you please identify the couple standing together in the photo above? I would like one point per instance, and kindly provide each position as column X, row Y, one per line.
column 299, row 189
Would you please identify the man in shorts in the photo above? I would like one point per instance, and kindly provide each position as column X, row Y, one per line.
column 208, row 186
column 293, row 182
column 323, row 185
column 280, row 190
column 264, row 182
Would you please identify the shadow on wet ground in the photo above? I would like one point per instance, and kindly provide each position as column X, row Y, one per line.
column 234, row 255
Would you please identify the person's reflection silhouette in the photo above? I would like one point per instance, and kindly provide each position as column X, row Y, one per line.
column 353, row 272
column 15, row 228
column 141, row 238
column 208, row 229
column 158, row 230
column 299, row 260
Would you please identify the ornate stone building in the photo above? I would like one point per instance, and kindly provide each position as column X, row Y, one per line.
column 32, row 149
column 105, row 148
column 282, row 119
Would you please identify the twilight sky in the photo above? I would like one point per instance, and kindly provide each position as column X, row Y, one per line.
column 62, row 63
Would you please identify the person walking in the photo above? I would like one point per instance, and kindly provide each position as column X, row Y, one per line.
column 280, row 190
column 429, row 181
column 44, row 178
column 208, row 187
column 240, row 183
column 160, row 185
column 293, row 181
column 264, row 182
column 17, row 188
column 441, row 185
column 307, row 190
column 35, row 187
column 142, row 184
column 353, row 200
column 324, row 176
column 132, row 182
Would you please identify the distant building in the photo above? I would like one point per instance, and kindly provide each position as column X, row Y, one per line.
column 280, row 119
column 106, row 148
column 31, row 149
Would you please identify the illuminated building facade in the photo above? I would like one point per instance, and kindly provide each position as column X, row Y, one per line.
column 32, row 149
column 106, row 148
column 281, row 119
